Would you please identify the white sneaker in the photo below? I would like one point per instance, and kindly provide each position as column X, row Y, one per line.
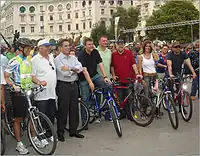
column 98, row 121
column 22, row 149
column 38, row 143
column 44, row 142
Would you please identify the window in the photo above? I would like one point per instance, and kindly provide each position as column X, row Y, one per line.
column 83, row 4
column 41, row 8
column 32, row 29
column 84, row 25
column 60, row 27
column 76, row 4
column 146, row 8
column 90, row 24
column 32, row 18
column 102, row 2
column 76, row 15
column 60, row 17
column 22, row 19
column 69, row 27
column 68, row 16
column 22, row 9
column 42, row 29
column 102, row 11
column 41, row 18
column 51, row 28
column 83, row 13
column 22, row 29
column 76, row 26
column 111, row 2
column 51, row 17
column 90, row 12
column 32, row 9
column 60, row 7
column 131, row 2
column 90, row 2
column 111, row 12
column 120, row 2
column 51, row 8
column 68, row 6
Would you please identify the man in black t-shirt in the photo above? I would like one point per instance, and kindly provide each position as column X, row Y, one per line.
column 175, row 60
column 89, row 78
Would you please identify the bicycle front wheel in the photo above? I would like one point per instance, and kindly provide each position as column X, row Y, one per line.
column 186, row 106
column 41, row 133
column 84, row 117
column 142, row 110
column 115, row 119
column 172, row 112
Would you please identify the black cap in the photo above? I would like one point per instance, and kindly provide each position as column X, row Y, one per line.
column 120, row 41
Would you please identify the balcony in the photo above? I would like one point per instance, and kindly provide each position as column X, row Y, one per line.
column 51, row 21
column 68, row 20
column 60, row 21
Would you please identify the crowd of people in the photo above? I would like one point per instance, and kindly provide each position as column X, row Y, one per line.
column 68, row 73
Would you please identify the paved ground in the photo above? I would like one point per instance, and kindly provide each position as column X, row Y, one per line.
column 159, row 139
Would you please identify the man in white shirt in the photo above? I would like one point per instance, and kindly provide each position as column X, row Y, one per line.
column 44, row 73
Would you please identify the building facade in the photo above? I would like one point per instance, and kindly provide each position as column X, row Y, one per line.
column 54, row 19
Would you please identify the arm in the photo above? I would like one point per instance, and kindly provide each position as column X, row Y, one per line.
column 78, row 66
column 188, row 63
column 87, row 76
column 135, row 69
column 169, row 65
column 140, row 65
column 161, row 65
column 112, row 71
column 102, row 69
column 62, row 69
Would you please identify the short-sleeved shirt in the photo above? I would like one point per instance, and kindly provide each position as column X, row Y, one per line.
column 2, row 77
column 3, row 62
column 90, row 61
column 45, row 70
column 177, row 61
column 162, row 60
column 122, row 64
column 106, row 60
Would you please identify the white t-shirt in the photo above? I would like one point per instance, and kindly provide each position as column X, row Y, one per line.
column 2, row 76
column 45, row 70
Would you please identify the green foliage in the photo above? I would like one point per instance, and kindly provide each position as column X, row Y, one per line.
column 172, row 12
column 128, row 20
column 99, row 31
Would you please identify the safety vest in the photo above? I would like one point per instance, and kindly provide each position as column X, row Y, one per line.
column 25, row 73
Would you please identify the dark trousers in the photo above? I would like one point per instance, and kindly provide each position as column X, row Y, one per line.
column 48, row 107
column 67, row 106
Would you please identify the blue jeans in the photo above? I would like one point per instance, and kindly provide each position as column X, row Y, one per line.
column 195, row 86
column 85, row 89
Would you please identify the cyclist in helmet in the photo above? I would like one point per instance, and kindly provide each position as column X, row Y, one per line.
column 18, row 76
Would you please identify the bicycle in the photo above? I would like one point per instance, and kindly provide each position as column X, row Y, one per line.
column 185, row 99
column 141, row 108
column 82, row 110
column 109, row 105
column 37, row 125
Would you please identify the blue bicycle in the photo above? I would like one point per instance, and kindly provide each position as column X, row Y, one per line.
column 108, row 105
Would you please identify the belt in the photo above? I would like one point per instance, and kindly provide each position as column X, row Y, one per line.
column 72, row 82
column 150, row 74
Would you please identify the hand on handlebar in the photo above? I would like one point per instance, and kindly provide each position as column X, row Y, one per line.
column 115, row 78
column 194, row 75
column 16, row 88
column 139, row 77
column 43, row 83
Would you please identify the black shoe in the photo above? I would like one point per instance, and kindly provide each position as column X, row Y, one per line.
column 86, row 128
column 61, row 138
column 77, row 135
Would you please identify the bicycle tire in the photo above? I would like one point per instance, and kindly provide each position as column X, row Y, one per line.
column 135, row 106
column 83, row 126
column 115, row 119
column 3, row 142
column 190, row 104
column 170, row 112
column 53, row 132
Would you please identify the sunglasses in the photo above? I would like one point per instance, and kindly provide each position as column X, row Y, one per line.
column 51, row 65
column 176, row 46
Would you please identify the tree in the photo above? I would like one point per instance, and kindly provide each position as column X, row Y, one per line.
column 99, row 31
column 172, row 12
column 128, row 20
